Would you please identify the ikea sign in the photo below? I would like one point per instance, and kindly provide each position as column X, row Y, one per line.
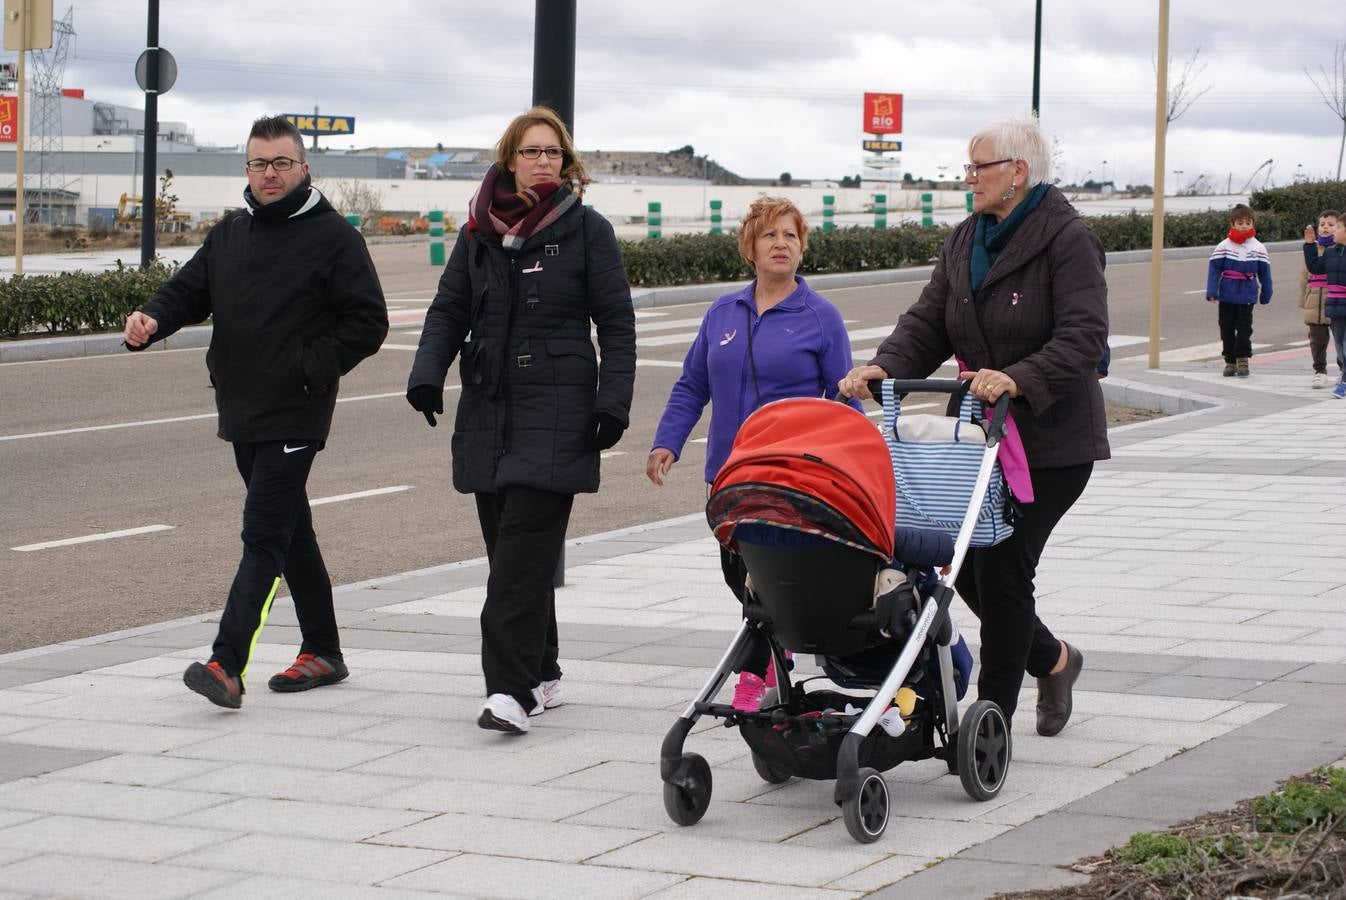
column 321, row 125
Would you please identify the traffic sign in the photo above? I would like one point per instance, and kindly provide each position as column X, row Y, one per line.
column 168, row 71
column 881, row 146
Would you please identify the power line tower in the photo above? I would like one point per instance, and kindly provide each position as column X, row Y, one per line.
column 48, row 75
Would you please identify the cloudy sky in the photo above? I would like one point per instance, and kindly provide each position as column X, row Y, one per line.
column 760, row 87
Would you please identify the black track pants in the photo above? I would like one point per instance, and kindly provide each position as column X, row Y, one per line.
column 278, row 540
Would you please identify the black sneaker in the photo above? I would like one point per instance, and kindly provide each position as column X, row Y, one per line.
column 308, row 671
column 211, row 682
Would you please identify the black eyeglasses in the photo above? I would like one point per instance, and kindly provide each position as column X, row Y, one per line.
column 535, row 152
column 280, row 164
column 973, row 170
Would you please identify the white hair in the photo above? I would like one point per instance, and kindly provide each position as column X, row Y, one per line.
column 1017, row 139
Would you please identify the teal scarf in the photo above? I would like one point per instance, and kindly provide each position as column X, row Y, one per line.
column 990, row 236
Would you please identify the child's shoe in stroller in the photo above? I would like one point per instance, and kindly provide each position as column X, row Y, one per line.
column 749, row 692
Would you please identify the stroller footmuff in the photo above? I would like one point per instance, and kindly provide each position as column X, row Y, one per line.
column 807, row 498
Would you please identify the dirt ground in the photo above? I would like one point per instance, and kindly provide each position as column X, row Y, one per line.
column 65, row 240
column 1309, row 864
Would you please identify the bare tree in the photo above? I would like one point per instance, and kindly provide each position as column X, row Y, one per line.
column 1186, row 90
column 352, row 196
column 1333, row 92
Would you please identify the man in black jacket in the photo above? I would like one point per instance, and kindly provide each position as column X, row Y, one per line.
column 296, row 304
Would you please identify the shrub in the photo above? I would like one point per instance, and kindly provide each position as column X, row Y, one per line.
column 76, row 301
column 1301, row 804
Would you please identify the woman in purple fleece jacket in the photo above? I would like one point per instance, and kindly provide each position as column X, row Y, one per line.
column 773, row 339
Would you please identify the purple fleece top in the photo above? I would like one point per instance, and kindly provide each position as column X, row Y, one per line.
column 799, row 348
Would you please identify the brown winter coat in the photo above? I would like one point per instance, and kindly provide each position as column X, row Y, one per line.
column 1041, row 317
column 1311, row 299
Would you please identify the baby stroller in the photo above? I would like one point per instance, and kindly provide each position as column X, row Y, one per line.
column 808, row 499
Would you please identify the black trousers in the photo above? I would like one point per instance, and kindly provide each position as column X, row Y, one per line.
column 1236, row 330
column 997, row 585
column 278, row 540
column 525, row 529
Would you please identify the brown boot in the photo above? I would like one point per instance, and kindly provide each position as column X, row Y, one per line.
column 1242, row 367
column 1229, row 370
column 1054, row 694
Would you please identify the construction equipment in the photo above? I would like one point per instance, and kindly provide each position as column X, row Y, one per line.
column 129, row 211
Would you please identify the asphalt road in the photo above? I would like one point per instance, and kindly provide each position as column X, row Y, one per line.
column 67, row 474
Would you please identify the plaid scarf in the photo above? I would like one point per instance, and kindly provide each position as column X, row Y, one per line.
column 500, row 213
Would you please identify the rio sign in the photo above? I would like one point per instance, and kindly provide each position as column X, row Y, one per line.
column 883, row 114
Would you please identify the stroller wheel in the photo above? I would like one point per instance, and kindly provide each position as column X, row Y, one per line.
column 769, row 773
column 983, row 750
column 687, row 800
column 866, row 813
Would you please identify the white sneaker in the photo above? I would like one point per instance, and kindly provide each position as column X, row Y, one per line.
column 547, row 695
column 501, row 712
column 1319, row 379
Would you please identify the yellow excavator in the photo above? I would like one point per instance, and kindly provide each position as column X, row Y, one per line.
column 130, row 209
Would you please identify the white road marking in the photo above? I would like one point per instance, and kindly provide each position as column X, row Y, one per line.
column 667, row 340
column 144, row 422
column 609, row 454
column 662, row 363
column 1125, row 340
column 667, row 324
column 1199, row 352
column 358, row 495
column 1202, row 291
column 89, row 538
column 399, row 347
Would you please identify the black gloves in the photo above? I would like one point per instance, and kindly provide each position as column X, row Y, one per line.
column 427, row 399
column 604, row 431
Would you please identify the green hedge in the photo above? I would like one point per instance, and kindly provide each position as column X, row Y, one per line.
column 73, row 302
column 1282, row 214
column 85, row 301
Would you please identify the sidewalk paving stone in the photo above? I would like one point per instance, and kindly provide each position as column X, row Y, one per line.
column 110, row 837
column 69, row 875
column 476, row 875
column 306, row 858
column 1192, row 573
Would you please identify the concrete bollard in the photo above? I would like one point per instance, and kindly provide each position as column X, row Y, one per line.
column 829, row 210
column 654, row 221
column 436, row 237
column 927, row 209
column 969, row 202
column 716, row 220
column 880, row 210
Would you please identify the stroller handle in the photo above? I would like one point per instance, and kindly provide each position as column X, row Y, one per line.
column 995, row 428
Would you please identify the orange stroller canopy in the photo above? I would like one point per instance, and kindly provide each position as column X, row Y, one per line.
column 811, row 465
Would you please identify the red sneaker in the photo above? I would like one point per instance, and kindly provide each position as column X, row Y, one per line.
column 308, row 671
column 213, row 683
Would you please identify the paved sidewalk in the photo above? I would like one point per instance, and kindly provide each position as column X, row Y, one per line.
column 1200, row 574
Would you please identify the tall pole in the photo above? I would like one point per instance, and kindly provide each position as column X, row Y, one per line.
column 1157, row 219
column 554, row 86
column 147, row 210
column 1037, row 60
column 554, row 58
column 20, row 189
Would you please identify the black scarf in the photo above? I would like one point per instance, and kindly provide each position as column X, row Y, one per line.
column 283, row 208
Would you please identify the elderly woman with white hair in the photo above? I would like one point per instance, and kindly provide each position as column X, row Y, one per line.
column 1018, row 297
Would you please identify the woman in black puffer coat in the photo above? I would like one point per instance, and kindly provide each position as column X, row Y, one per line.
column 527, row 276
